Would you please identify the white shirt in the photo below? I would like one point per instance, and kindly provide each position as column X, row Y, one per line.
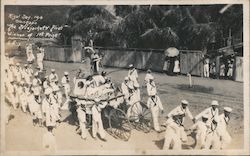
column 53, row 77
column 180, row 110
column 151, row 88
column 210, row 112
column 154, row 102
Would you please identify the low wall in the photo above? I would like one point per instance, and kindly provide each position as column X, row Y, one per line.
column 190, row 61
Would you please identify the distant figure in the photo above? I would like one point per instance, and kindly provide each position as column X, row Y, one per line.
column 213, row 70
column 40, row 57
column 95, row 59
column 230, row 70
column 29, row 53
column 176, row 66
column 206, row 67
column 222, row 70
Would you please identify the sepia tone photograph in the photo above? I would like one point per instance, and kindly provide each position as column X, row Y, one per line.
column 110, row 78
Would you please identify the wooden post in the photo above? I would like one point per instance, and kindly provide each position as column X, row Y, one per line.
column 190, row 80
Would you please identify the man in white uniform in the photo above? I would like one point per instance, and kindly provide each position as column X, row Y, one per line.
column 182, row 109
column 135, row 108
column 97, row 125
column 18, row 73
column 125, row 89
column 132, row 74
column 66, row 86
column 53, row 77
column 49, row 109
column 40, row 57
column 148, row 76
column 34, row 103
column 49, row 141
column 201, row 128
column 155, row 105
column 81, row 115
column 29, row 53
column 212, row 137
column 206, row 67
column 56, row 102
column 225, row 137
column 151, row 87
column 175, row 134
column 27, row 74
column 211, row 112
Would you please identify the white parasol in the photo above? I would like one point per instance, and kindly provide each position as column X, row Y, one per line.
column 90, row 48
column 171, row 52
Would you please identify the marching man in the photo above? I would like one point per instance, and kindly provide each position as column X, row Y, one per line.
column 212, row 137
column 97, row 125
column 148, row 76
column 125, row 89
column 211, row 112
column 132, row 74
column 49, row 109
column 27, row 74
column 201, row 128
column 224, row 118
column 154, row 103
column 34, row 103
column 183, row 108
column 29, row 53
column 66, row 86
column 40, row 57
column 56, row 102
column 134, row 103
column 151, row 87
column 36, row 85
column 53, row 77
column 175, row 134
column 81, row 115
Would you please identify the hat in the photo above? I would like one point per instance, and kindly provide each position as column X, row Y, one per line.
column 150, row 77
column 53, row 70
column 131, row 65
column 184, row 102
column 48, row 91
column 25, row 65
column 136, row 85
column 36, row 74
column 17, row 64
column 66, row 73
column 126, row 78
column 97, row 100
column 205, row 116
column 149, row 71
column 228, row 109
column 214, row 103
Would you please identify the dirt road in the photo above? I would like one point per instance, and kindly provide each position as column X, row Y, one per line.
column 22, row 136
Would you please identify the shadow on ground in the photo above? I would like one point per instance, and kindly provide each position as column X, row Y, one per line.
column 195, row 88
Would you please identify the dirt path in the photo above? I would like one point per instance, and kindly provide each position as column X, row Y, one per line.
column 21, row 135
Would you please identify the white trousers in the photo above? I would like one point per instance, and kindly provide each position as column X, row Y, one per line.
column 155, row 116
column 171, row 138
column 206, row 70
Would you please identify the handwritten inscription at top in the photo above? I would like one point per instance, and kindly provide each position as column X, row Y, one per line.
column 28, row 26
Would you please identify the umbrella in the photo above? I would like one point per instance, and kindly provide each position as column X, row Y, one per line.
column 90, row 48
column 171, row 52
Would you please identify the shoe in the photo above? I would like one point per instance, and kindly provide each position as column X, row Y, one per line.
column 103, row 139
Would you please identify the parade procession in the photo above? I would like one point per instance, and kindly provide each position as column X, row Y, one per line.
column 103, row 107
column 112, row 79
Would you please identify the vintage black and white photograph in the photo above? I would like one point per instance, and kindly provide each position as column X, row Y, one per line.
column 124, row 78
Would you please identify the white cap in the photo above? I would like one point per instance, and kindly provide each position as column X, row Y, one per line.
column 66, row 73
column 215, row 103
column 150, row 77
column 126, row 78
column 48, row 91
column 17, row 64
column 53, row 70
column 36, row 74
column 136, row 85
column 25, row 65
column 131, row 65
column 97, row 100
column 184, row 102
column 228, row 109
